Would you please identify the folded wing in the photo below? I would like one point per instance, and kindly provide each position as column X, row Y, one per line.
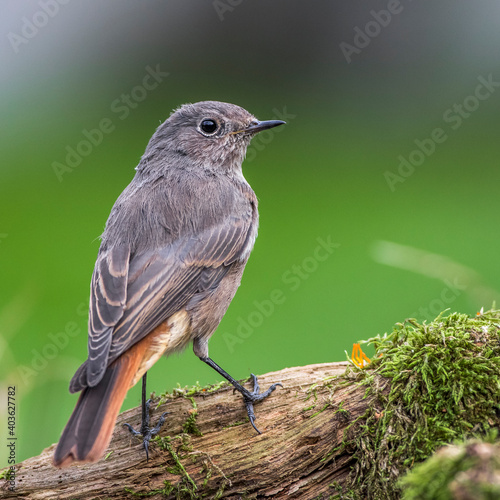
column 132, row 295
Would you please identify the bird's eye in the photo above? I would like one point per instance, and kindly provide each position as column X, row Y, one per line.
column 209, row 126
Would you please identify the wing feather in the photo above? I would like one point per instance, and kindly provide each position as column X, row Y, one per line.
column 130, row 296
column 107, row 301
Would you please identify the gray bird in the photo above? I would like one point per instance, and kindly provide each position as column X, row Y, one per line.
column 170, row 261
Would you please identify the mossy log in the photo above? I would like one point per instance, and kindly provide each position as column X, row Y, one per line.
column 333, row 431
column 208, row 448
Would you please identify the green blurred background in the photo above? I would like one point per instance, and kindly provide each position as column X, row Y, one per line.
column 322, row 176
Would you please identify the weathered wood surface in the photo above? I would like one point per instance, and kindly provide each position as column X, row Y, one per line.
column 230, row 460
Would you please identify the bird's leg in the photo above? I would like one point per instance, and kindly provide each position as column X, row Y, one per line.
column 249, row 397
column 146, row 431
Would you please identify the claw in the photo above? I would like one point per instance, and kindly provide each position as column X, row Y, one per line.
column 254, row 396
column 248, row 397
column 256, row 388
column 132, row 430
column 146, row 431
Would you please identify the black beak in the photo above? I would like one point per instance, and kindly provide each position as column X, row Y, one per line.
column 255, row 127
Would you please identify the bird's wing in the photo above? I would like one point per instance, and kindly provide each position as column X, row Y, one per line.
column 108, row 299
column 132, row 296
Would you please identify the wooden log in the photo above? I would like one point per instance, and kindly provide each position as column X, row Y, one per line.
column 209, row 449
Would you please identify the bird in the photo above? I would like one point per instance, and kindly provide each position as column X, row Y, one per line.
column 171, row 258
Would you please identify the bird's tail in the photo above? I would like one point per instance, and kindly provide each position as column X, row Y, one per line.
column 90, row 427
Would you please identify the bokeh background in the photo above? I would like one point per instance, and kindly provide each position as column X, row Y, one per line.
column 400, row 241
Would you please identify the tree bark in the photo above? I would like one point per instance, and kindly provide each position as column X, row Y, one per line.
column 301, row 424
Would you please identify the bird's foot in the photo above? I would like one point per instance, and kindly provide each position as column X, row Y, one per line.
column 253, row 397
column 146, row 431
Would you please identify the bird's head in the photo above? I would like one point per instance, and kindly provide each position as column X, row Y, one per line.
column 209, row 134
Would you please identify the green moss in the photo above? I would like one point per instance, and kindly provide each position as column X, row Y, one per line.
column 190, row 426
column 166, row 490
column 320, row 411
column 431, row 384
column 342, row 411
column 186, row 484
column 186, row 487
column 194, row 390
column 6, row 474
column 236, row 424
column 470, row 471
